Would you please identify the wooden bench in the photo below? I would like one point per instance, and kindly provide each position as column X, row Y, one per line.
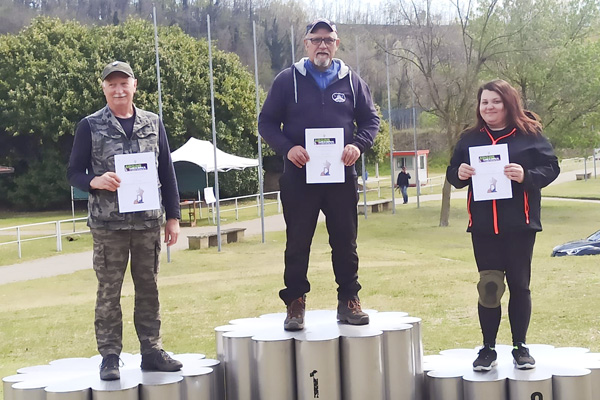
column 210, row 239
column 375, row 206
column 581, row 177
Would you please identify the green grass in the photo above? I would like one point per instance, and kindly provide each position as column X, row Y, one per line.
column 408, row 263
column 589, row 189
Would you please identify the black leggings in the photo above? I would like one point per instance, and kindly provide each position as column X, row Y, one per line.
column 510, row 253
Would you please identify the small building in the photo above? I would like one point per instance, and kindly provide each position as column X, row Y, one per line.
column 407, row 159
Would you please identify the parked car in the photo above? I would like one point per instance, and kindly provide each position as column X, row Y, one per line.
column 584, row 247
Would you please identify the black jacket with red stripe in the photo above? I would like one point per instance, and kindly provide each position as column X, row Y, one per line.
column 521, row 212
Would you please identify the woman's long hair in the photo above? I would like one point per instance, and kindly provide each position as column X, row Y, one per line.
column 526, row 121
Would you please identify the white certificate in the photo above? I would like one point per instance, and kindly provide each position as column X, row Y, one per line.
column 489, row 181
column 325, row 147
column 139, row 182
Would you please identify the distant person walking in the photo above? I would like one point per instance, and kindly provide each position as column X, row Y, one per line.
column 402, row 183
column 121, row 128
column 503, row 230
column 319, row 91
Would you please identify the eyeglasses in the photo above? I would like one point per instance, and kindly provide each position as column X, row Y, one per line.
column 318, row 40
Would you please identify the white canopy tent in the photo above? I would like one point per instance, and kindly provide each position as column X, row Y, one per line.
column 201, row 153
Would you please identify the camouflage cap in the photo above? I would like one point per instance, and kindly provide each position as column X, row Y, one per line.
column 321, row 21
column 117, row 66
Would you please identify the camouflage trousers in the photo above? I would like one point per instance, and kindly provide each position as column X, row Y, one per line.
column 112, row 251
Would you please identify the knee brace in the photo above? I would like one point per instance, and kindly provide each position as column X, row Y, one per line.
column 491, row 288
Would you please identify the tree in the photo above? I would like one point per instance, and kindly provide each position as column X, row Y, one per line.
column 554, row 60
column 445, row 62
column 50, row 80
column 540, row 46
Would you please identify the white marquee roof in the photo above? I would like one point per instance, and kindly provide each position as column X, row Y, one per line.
column 201, row 153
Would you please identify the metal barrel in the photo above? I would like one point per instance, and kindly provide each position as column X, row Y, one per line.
column 238, row 365
column 8, row 382
column 530, row 384
column 197, row 383
column 398, row 360
column 489, row 386
column 572, row 384
column 318, row 364
column 361, row 363
column 274, row 363
column 218, row 377
column 445, row 384
column 160, row 386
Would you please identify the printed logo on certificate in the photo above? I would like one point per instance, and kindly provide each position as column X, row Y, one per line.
column 325, row 147
column 139, row 182
column 489, row 181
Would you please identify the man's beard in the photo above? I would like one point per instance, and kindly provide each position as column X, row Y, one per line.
column 323, row 62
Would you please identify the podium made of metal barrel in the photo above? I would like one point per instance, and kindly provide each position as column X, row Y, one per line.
column 489, row 386
column 160, row 386
column 361, row 363
column 530, row 384
column 122, row 389
column 197, row 383
column 238, row 355
column 218, row 377
column 572, row 384
column 318, row 365
column 29, row 390
column 274, row 365
column 398, row 361
column 73, row 389
column 445, row 384
column 8, row 382
column 417, row 342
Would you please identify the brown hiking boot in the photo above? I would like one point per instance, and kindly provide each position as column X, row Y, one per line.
column 349, row 311
column 160, row 360
column 295, row 315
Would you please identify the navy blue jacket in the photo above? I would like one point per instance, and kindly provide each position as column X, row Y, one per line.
column 521, row 212
column 296, row 101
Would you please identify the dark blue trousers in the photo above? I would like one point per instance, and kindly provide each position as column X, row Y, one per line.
column 301, row 205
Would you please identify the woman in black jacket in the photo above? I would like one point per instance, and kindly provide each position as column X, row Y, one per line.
column 503, row 230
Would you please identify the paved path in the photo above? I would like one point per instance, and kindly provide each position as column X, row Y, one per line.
column 69, row 263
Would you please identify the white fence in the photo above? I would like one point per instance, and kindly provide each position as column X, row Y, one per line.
column 55, row 231
column 23, row 233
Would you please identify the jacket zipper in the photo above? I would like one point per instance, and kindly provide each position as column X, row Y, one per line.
column 494, row 207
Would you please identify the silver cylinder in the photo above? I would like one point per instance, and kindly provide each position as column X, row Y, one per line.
column 238, row 365
column 29, row 390
column 445, row 384
column 218, row 377
column 591, row 361
column 219, row 331
column 126, row 388
column 197, row 383
column 489, row 386
column 398, row 361
column 361, row 363
column 73, row 389
column 318, row 365
column 274, row 363
column 8, row 382
column 417, row 342
column 572, row 384
column 530, row 384
column 160, row 386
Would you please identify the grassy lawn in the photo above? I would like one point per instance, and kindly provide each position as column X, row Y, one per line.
column 589, row 189
column 408, row 264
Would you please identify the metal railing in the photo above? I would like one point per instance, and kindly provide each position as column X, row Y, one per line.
column 235, row 201
column 57, row 233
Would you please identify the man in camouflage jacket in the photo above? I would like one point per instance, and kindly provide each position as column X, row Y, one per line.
column 122, row 128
